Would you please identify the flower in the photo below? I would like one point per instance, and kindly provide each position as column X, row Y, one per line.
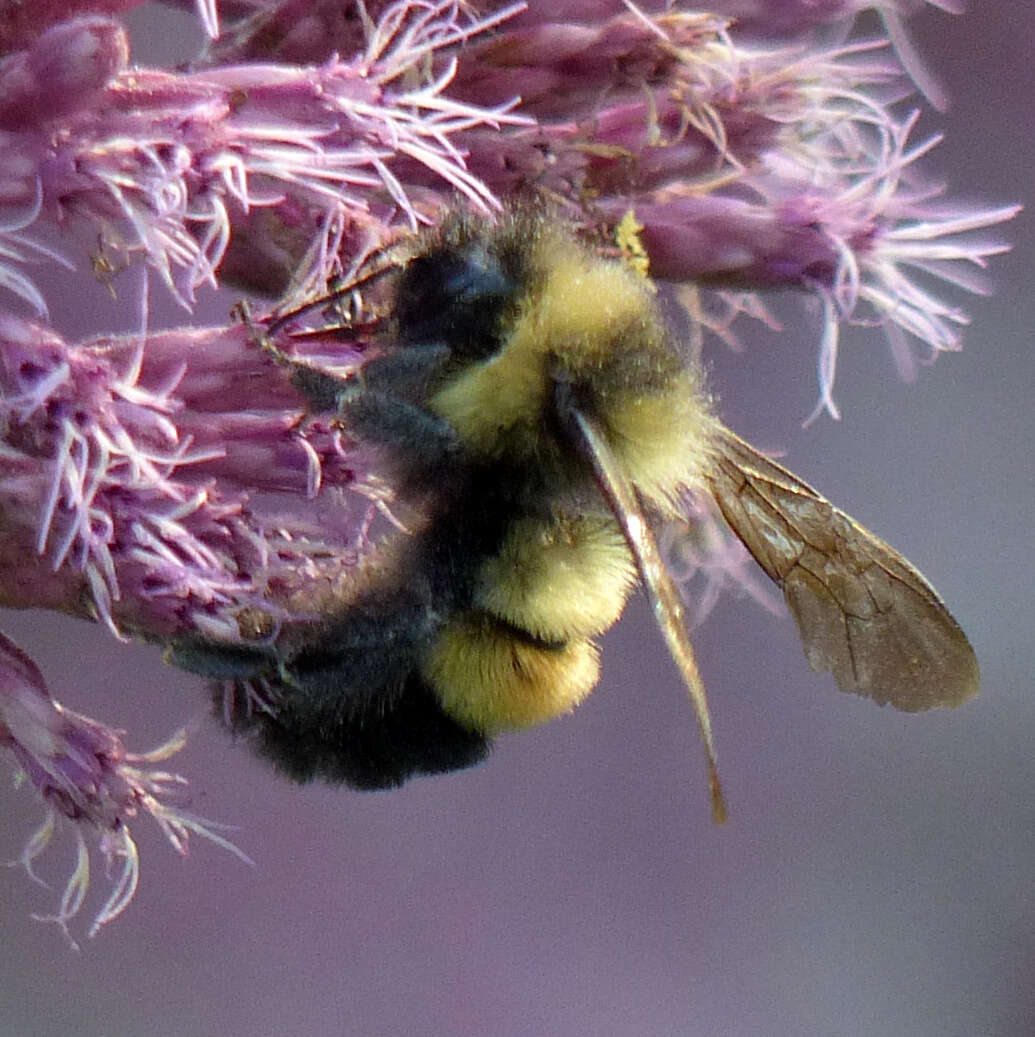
column 172, row 485
column 82, row 771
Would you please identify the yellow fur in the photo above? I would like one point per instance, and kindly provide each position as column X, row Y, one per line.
column 490, row 681
column 585, row 315
column 662, row 440
column 559, row 580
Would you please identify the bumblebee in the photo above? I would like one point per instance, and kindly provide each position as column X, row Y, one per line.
column 537, row 406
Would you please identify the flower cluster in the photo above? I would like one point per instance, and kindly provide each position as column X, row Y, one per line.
column 170, row 482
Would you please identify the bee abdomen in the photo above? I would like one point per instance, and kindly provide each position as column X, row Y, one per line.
column 404, row 734
column 523, row 653
column 491, row 676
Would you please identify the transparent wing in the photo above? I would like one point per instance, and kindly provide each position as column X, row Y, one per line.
column 668, row 609
column 864, row 613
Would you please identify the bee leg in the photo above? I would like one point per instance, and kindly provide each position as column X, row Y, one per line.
column 415, row 436
column 322, row 389
column 220, row 661
column 405, row 373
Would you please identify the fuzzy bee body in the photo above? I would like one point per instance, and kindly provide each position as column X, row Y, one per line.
column 538, row 405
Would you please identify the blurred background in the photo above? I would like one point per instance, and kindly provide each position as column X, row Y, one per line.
column 877, row 876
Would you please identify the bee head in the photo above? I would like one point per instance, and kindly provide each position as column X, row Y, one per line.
column 463, row 286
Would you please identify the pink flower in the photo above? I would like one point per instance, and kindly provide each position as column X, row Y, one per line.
column 82, row 771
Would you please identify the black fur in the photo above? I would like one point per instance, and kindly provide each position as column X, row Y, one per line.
column 397, row 734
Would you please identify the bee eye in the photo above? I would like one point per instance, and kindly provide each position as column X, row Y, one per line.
column 460, row 299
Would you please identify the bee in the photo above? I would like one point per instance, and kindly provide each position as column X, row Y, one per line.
column 539, row 409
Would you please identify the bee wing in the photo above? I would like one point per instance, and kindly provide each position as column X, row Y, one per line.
column 863, row 611
column 667, row 605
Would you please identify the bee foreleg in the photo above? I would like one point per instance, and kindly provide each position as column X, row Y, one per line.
column 219, row 661
column 405, row 373
column 421, row 438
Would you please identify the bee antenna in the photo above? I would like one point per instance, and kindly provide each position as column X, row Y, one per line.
column 374, row 273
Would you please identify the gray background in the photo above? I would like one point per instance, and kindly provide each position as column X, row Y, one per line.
column 876, row 877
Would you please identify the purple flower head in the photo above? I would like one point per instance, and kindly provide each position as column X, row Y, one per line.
column 82, row 772
column 173, row 484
